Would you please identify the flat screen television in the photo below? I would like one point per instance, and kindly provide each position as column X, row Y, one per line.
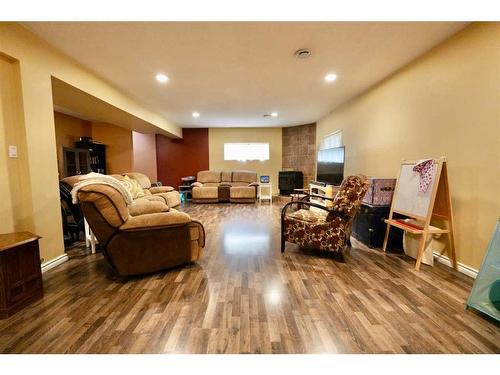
column 330, row 166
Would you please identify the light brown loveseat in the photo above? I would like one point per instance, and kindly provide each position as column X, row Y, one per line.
column 139, row 244
column 229, row 186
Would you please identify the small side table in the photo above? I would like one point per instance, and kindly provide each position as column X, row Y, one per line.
column 186, row 191
column 267, row 196
column 20, row 272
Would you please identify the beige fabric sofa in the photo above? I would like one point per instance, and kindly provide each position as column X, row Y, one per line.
column 213, row 187
column 145, row 243
column 172, row 197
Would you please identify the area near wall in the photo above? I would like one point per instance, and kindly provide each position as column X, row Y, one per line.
column 299, row 150
column 126, row 150
column 446, row 103
column 271, row 167
column 16, row 208
column 177, row 158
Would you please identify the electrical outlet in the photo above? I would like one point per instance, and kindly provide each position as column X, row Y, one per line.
column 12, row 151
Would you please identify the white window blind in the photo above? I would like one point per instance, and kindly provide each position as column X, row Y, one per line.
column 246, row 151
column 332, row 140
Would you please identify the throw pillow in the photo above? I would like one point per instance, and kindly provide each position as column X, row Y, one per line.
column 133, row 187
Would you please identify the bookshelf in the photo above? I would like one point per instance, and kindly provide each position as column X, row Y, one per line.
column 97, row 154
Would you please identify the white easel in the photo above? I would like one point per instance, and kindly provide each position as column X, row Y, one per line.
column 434, row 204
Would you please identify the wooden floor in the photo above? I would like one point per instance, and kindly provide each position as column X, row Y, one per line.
column 244, row 296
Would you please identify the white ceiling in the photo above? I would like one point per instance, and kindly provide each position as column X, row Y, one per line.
column 233, row 73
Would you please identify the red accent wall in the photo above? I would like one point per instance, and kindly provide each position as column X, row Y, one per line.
column 177, row 158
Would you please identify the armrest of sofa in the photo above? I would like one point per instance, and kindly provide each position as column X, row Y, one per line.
column 144, row 206
column 200, row 235
column 160, row 189
column 156, row 221
column 254, row 184
column 196, row 184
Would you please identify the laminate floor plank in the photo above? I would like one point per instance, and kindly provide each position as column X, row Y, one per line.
column 245, row 296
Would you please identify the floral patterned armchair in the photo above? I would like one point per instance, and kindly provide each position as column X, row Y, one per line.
column 327, row 228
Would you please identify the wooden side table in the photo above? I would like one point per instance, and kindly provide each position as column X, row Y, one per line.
column 20, row 272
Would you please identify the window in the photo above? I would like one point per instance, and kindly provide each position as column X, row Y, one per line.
column 246, row 151
column 332, row 140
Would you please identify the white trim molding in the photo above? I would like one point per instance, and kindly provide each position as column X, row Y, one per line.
column 54, row 262
column 462, row 268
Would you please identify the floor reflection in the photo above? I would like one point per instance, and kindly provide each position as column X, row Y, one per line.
column 241, row 237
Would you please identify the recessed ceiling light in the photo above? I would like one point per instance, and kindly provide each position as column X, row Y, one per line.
column 162, row 78
column 196, row 114
column 330, row 77
column 274, row 114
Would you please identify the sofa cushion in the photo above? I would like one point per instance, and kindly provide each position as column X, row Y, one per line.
column 208, row 176
column 226, row 176
column 211, row 184
column 143, row 206
column 242, row 192
column 244, row 176
column 108, row 201
column 141, row 178
column 153, row 198
column 155, row 220
column 133, row 187
column 172, row 198
column 160, row 189
column 210, row 192
column 350, row 195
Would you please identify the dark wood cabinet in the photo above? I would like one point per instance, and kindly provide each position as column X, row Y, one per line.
column 20, row 272
column 97, row 155
column 369, row 228
column 76, row 161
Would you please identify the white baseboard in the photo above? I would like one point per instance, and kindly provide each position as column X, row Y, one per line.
column 462, row 268
column 54, row 262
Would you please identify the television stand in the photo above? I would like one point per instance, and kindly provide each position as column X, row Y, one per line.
column 324, row 190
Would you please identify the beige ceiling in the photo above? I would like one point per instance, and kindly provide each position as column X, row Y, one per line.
column 234, row 73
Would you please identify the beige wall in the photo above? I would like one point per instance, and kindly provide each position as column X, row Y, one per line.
column 445, row 103
column 16, row 209
column 68, row 130
column 218, row 136
column 118, row 141
column 126, row 150
column 37, row 62
column 145, row 154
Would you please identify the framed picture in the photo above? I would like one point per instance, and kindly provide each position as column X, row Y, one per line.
column 264, row 179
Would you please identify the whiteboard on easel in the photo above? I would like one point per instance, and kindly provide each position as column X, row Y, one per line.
column 408, row 199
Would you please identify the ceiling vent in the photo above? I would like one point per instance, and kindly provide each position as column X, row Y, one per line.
column 302, row 53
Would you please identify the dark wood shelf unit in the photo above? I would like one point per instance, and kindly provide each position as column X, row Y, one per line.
column 20, row 272
column 97, row 155
column 76, row 161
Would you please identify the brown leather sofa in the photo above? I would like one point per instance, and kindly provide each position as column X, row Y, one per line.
column 229, row 186
column 140, row 244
